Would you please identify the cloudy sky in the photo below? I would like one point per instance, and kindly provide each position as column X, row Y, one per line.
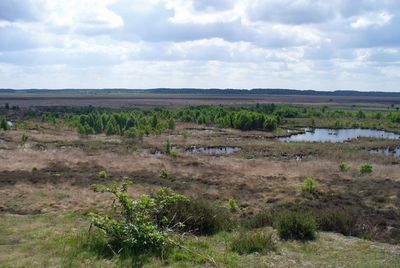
column 303, row 44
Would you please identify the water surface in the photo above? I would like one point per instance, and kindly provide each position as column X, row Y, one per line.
column 339, row 135
column 386, row 151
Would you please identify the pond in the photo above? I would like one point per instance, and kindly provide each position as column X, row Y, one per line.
column 338, row 135
column 213, row 150
column 386, row 151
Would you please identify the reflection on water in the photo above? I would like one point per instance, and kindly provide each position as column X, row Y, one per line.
column 213, row 150
column 386, row 151
column 339, row 135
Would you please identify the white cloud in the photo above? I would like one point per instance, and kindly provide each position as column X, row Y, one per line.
column 372, row 20
column 200, row 43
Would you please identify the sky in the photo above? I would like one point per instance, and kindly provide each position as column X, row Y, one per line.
column 300, row 44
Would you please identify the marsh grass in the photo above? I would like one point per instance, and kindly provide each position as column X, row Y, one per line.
column 259, row 241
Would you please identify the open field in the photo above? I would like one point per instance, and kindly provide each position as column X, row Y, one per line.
column 45, row 183
column 142, row 100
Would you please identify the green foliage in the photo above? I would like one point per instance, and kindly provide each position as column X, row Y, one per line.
column 366, row 168
column 168, row 148
column 24, row 138
column 199, row 216
column 3, row 124
column 254, row 242
column 233, row 205
column 185, row 135
column 293, row 225
column 309, row 185
column 103, row 174
column 165, row 173
column 261, row 219
column 338, row 221
column 171, row 123
column 344, row 167
column 174, row 154
column 132, row 224
column 34, row 168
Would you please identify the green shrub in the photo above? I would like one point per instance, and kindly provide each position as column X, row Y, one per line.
column 338, row 221
column 174, row 154
column 168, row 148
column 34, row 169
column 103, row 174
column 199, row 216
column 24, row 138
column 310, row 185
column 3, row 124
column 255, row 241
column 344, row 167
column 366, row 168
column 233, row 205
column 295, row 225
column 132, row 224
column 259, row 220
column 165, row 173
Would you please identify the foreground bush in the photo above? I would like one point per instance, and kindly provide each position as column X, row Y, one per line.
column 251, row 242
column 366, row 168
column 132, row 225
column 261, row 219
column 338, row 221
column 296, row 226
column 198, row 216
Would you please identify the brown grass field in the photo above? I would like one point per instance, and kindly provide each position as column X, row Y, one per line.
column 179, row 100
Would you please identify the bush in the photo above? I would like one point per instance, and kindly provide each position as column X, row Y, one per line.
column 24, row 138
column 296, row 226
column 337, row 221
column 366, row 168
column 344, row 167
column 259, row 220
column 233, row 205
column 165, row 173
column 103, row 174
column 251, row 242
column 168, row 148
column 132, row 224
column 310, row 185
column 3, row 124
column 34, row 169
column 198, row 216
column 174, row 154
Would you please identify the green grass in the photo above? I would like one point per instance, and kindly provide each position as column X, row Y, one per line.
column 55, row 240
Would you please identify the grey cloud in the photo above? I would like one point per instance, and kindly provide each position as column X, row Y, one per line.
column 204, row 5
column 291, row 12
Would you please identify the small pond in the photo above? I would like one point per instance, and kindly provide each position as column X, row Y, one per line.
column 213, row 150
column 386, row 151
column 338, row 135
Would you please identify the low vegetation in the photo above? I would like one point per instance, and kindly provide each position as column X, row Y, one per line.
column 259, row 241
column 294, row 225
column 310, row 185
column 366, row 168
column 344, row 167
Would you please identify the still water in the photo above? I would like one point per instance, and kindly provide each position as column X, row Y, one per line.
column 339, row 135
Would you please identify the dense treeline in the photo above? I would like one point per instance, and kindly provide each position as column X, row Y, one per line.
column 137, row 123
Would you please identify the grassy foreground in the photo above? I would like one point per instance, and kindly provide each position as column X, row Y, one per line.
column 59, row 240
